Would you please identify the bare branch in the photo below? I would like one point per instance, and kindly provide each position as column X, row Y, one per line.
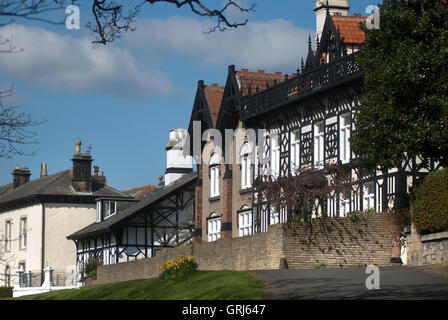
column 30, row 10
column 14, row 128
column 109, row 21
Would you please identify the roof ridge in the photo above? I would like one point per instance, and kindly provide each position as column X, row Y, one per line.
column 135, row 188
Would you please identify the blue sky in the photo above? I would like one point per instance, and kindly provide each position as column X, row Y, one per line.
column 123, row 99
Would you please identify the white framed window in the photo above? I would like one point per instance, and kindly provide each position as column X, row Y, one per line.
column 274, row 216
column 256, row 162
column 246, row 169
column 98, row 211
column 295, row 150
column 23, row 233
column 275, row 156
column 109, row 208
column 214, row 228
column 344, row 137
column 214, row 175
column 344, row 204
column 8, row 226
column 245, row 223
column 319, row 132
column 369, row 196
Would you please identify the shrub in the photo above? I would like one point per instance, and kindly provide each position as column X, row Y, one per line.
column 176, row 270
column 430, row 203
column 5, row 292
column 91, row 267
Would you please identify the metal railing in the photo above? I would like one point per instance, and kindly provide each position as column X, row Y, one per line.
column 323, row 77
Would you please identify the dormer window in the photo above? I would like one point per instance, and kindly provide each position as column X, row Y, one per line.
column 105, row 209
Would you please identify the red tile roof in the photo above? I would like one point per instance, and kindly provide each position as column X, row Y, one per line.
column 139, row 192
column 214, row 94
column 258, row 79
column 350, row 31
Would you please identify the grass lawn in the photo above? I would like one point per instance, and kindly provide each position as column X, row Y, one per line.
column 202, row 285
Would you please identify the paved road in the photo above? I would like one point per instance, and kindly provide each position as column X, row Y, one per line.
column 349, row 283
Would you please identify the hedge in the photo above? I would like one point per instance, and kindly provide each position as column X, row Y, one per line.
column 5, row 292
column 430, row 203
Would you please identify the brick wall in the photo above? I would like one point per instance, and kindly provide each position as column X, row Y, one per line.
column 361, row 239
column 426, row 249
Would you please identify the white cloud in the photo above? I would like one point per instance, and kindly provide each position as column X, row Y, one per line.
column 63, row 62
column 275, row 45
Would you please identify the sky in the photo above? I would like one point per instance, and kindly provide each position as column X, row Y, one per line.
column 122, row 99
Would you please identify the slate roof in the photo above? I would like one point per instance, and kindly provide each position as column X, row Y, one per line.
column 6, row 188
column 58, row 184
column 128, row 209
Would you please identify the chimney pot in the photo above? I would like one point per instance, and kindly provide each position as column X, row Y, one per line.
column 43, row 170
column 95, row 172
column 77, row 146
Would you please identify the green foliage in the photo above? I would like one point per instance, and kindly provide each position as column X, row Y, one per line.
column 177, row 270
column 430, row 203
column 404, row 112
column 92, row 266
column 319, row 265
column 201, row 285
column 5, row 292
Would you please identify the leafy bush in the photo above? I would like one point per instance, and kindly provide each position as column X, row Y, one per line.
column 430, row 203
column 5, row 292
column 91, row 267
column 174, row 270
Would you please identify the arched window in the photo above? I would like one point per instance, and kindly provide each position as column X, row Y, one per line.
column 245, row 221
column 215, row 161
column 214, row 227
column 246, row 169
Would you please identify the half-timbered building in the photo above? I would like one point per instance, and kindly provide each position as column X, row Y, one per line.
column 308, row 120
column 157, row 218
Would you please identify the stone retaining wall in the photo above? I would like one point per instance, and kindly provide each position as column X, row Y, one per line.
column 360, row 239
column 427, row 249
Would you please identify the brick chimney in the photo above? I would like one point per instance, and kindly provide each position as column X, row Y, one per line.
column 82, row 169
column 100, row 178
column 20, row 176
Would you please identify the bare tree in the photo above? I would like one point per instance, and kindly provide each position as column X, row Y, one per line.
column 15, row 128
column 109, row 20
column 306, row 189
column 7, row 261
column 10, row 10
